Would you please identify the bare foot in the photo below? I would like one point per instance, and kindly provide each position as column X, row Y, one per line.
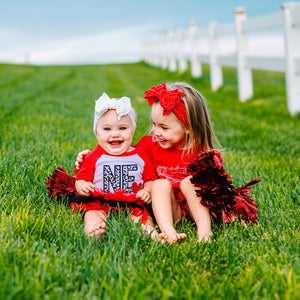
column 204, row 237
column 95, row 224
column 155, row 236
column 172, row 238
column 96, row 232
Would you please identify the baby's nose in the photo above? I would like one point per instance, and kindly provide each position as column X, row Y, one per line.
column 115, row 133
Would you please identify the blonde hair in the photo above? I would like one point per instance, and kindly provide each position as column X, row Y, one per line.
column 200, row 135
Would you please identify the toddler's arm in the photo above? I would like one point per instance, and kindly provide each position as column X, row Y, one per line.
column 84, row 188
column 144, row 194
column 80, row 158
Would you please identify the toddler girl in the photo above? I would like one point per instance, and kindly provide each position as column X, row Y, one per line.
column 115, row 172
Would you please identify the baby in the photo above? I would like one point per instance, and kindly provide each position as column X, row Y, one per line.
column 115, row 170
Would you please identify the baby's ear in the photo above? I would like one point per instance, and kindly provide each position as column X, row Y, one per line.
column 96, row 129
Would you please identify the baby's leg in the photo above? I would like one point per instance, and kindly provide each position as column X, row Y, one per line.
column 166, row 210
column 198, row 212
column 95, row 223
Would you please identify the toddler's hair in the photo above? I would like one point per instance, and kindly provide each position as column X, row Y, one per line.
column 201, row 134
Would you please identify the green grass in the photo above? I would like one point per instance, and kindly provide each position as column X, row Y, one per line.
column 46, row 116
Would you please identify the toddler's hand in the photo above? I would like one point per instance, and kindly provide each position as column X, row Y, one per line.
column 144, row 196
column 85, row 189
column 80, row 158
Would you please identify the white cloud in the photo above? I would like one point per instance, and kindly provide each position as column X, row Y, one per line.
column 122, row 45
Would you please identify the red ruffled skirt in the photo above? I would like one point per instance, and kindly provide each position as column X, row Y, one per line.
column 62, row 185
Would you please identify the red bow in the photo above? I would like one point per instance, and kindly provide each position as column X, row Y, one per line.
column 169, row 101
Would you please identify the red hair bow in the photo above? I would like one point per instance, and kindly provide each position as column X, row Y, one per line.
column 169, row 101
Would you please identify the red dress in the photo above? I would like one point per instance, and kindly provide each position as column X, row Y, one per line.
column 117, row 178
column 169, row 164
column 213, row 185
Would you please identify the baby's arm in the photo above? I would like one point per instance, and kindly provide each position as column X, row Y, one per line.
column 144, row 194
column 80, row 158
column 84, row 188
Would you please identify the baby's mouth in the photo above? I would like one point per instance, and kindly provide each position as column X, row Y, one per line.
column 115, row 143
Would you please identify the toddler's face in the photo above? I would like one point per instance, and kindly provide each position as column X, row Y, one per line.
column 113, row 135
column 167, row 130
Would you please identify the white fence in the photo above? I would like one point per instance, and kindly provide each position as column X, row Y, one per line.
column 173, row 50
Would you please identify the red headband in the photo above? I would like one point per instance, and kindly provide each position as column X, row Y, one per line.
column 168, row 100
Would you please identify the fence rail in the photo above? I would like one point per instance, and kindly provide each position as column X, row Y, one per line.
column 173, row 50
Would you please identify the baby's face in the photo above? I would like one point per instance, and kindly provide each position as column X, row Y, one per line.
column 113, row 135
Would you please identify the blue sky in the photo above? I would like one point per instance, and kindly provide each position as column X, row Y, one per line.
column 91, row 31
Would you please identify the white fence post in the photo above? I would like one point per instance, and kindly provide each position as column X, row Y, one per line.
column 292, row 52
column 154, row 50
column 160, row 50
column 216, row 76
column 164, row 49
column 150, row 55
column 171, row 51
column 196, row 69
column 245, row 83
column 181, row 51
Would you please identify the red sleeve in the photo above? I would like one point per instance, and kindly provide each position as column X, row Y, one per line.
column 149, row 173
column 146, row 143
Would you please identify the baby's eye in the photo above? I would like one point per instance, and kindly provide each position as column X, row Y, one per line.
column 106, row 128
column 164, row 128
column 123, row 128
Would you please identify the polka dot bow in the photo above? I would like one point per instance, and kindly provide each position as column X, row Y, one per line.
column 169, row 101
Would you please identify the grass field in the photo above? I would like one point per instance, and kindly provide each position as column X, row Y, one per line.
column 46, row 116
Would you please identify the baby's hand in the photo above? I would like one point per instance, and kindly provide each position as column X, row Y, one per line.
column 84, row 188
column 80, row 158
column 144, row 196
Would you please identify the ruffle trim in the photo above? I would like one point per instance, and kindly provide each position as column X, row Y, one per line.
column 217, row 192
column 62, row 185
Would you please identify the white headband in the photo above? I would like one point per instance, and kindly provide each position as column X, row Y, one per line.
column 122, row 106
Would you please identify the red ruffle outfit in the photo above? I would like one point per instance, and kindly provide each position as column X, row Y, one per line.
column 96, row 163
column 215, row 188
column 62, row 185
